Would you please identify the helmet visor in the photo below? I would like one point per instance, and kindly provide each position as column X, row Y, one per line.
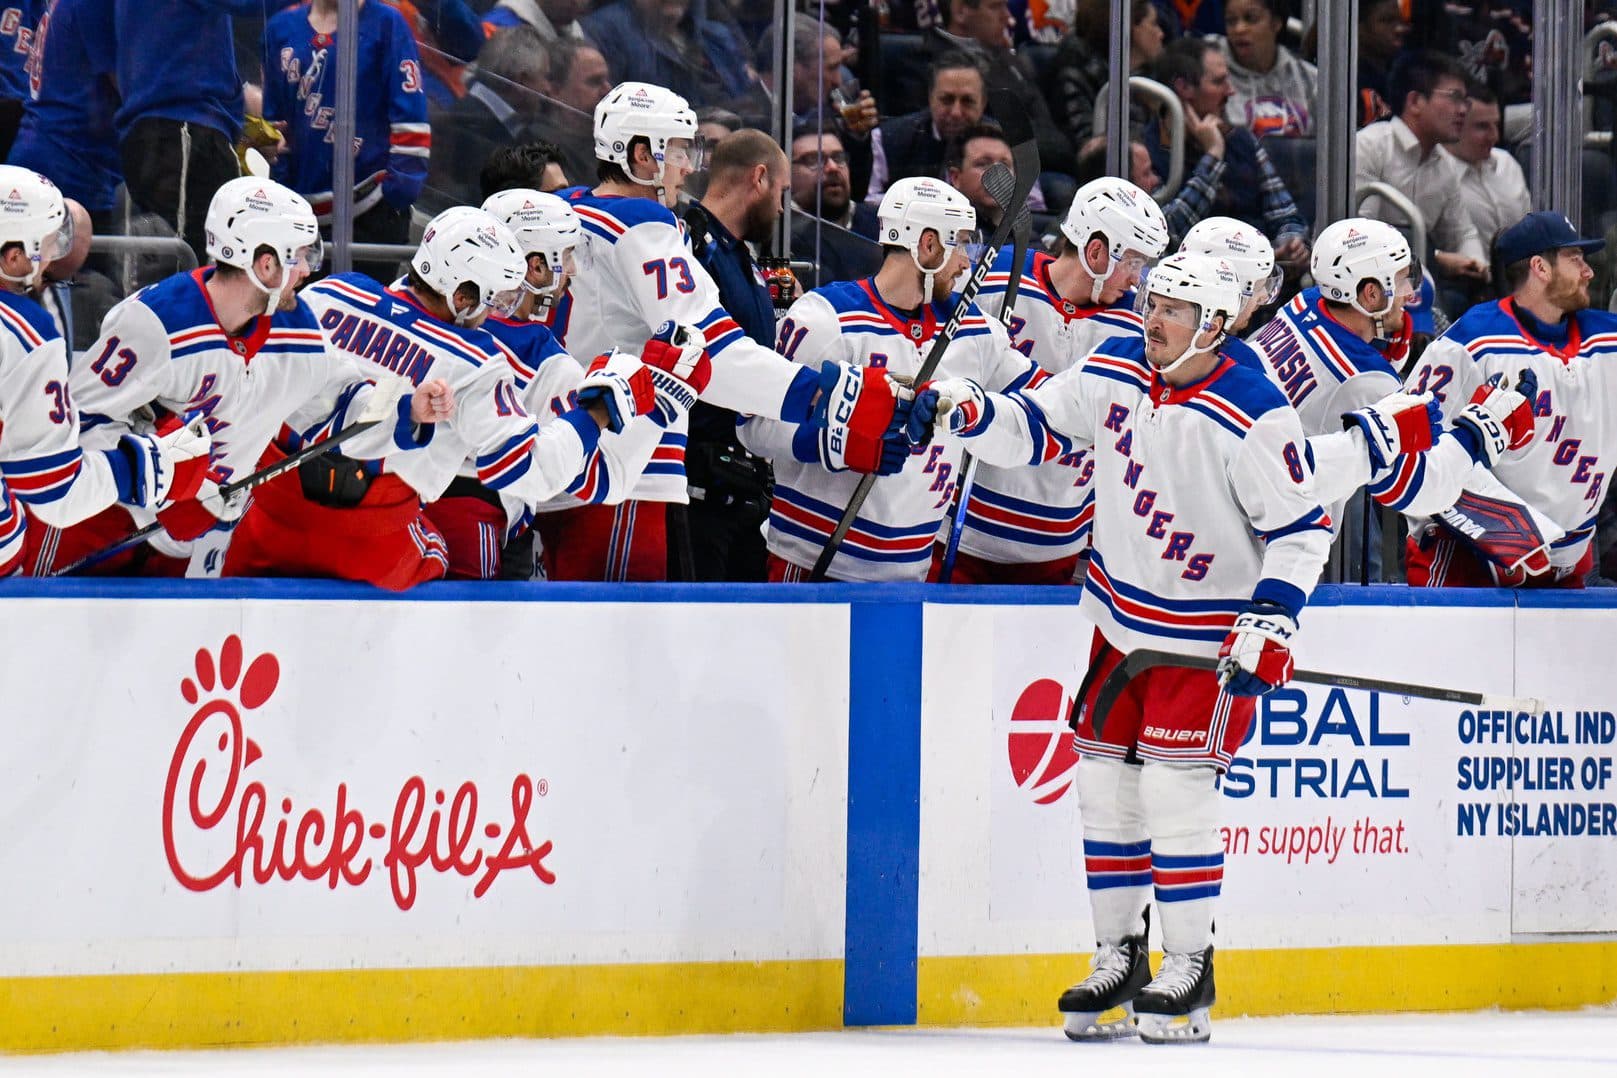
column 1153, row 306
column 969, row 240
column 311, row 256
column 686, row 153
column 506, row 300
column 1265, row 290
column 58, row 243
column 563, row 262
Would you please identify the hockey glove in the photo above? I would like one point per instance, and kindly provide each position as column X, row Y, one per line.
column 857, row 407
column 620, row 384
column 955, row 405
column 150, row 471
column 678, row 360
column 195, row 517
column 1396, row 424
column 1502, row 532
column 1255, row 657
column 1497, row 420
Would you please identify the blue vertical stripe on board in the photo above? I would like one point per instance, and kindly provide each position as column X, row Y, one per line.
column 884, row 813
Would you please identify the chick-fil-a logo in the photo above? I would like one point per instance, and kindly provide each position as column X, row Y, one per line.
column 209, row 787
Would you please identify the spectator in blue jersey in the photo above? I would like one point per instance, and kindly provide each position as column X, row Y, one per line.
column 447, row 34
column 67, row 128
column 17, row 23
column 390, row 123
column 1246, row 186
column 501, row 106
column 662, row 42
column 553, row 19
column 182, row 106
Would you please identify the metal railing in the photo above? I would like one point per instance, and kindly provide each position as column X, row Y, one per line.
column 1169, row 102
column 1400, row 202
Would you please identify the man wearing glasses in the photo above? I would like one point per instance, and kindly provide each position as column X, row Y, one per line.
column 823, row 194
column 1410, row 153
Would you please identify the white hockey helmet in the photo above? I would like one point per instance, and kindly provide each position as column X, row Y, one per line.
column 1126, row 217
column 1357, row 249
column 640, row 110
column 34, row 214
column 543, row 225
column 915, row 204
column 1247, row 251
column 1208, row 283
column 464, row 245
column 250, row 213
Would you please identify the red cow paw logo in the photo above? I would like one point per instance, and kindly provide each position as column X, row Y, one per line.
column 1040, row 743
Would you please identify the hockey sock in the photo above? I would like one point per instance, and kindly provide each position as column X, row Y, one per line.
column 1117, row 853
column 1187, row 854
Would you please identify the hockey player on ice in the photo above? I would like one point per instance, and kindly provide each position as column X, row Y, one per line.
column 43, row 472
column 637, row 272
column 883, row 322
column 234, row 345
column 366, row 523
column 1031, row 525
column 1208, row 537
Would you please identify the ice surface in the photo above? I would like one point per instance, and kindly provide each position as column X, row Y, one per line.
column 1563, row 1044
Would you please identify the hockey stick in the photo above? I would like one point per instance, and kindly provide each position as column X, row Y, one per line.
column 226, row 490
column 1138, row 662
column 1026, row 157
column 1001, row 192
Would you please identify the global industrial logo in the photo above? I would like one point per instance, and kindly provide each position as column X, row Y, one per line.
column 1040, row 742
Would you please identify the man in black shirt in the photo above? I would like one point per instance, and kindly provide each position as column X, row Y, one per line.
column 729, row 487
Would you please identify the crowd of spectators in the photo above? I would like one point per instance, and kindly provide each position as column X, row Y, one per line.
column 139, row 119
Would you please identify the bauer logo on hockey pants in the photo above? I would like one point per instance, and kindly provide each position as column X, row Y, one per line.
column 227, row 821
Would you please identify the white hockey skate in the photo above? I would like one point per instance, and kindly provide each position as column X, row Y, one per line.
column 1173, row 1008
column 1101, row 1006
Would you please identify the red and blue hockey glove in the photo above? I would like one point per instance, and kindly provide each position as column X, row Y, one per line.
column 1497, row 420
column 677, row 358
column 859, row 407
column 620, row 384
column 1255, row 657
column 1396, row 424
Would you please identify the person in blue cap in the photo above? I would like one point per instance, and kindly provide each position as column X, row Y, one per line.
column 1531, row 521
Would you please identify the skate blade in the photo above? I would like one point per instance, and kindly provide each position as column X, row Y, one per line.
column 1193, row 1028
column 1112, row 1025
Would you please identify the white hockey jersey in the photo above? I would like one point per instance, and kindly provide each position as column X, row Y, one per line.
column 1325, row 370
column 547, row 377
column 41, row 465
column 1204, row 499
column 1021, row 515
column 164, row 345
column 1563, row 473
column 636, row 271
column 388, row 332
column 891, row 539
